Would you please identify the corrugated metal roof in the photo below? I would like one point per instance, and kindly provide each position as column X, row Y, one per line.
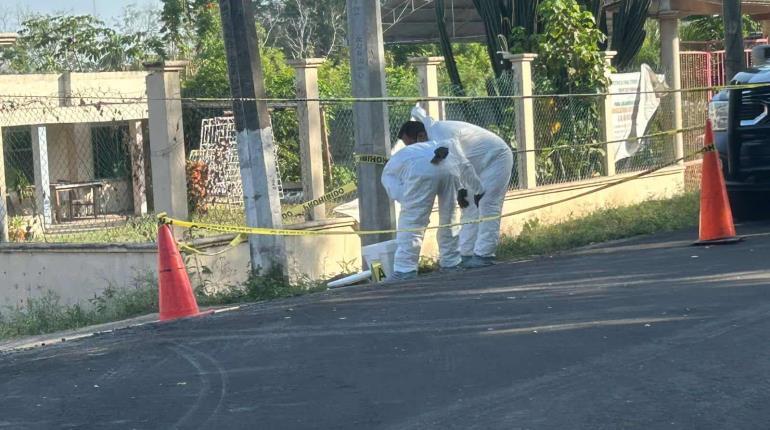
column 414, row 21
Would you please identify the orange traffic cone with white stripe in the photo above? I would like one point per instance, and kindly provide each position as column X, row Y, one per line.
column 175, row 294
column 716, row 217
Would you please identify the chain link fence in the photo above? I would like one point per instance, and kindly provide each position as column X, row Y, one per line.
column 86, row 175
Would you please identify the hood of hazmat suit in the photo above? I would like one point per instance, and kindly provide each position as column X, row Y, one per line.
column 478, row 144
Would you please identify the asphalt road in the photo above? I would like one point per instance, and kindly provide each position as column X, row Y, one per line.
column 642, row 334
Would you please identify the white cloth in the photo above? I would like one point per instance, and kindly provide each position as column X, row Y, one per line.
column 411, row 179
column 492, row 161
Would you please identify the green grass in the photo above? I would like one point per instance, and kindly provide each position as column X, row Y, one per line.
column 47, row 314
column 603, row 225
column 135, row 230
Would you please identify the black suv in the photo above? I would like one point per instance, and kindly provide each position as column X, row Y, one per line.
column 741, row 121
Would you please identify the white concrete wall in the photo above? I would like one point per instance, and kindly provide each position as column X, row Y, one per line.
column 108, row 84
column 77, row 272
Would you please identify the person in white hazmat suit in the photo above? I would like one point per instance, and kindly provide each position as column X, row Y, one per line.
column 492, row 161
column 414, row 176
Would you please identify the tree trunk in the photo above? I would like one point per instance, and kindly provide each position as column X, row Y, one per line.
column 734, row 56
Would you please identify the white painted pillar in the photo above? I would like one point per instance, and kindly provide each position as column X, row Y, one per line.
column 427, row 74
column 608, row 124
column 370, row 119
column 310, row 142
column 169, row 182
column 136, row 148
column 84, row 152
column 669, row 52
column 42, row 179
column 3, row 195
column 525, row 119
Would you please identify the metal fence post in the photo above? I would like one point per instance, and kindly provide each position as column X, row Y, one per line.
column 608, row 123
column 525, row 118
column 309, row 115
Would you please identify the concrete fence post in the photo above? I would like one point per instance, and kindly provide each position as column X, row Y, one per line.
column 608, row 124
column 310, row 141
column 3, row 195
column 669, row 52
column 427, row 74
column 167, row 155
column 525, row 118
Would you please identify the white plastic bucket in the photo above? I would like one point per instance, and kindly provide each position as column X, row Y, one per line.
column 382, row 252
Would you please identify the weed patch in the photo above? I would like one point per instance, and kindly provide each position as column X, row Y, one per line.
column 603, row 225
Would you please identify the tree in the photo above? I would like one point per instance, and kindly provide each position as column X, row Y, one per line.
column 80, row 43
column 303, row 28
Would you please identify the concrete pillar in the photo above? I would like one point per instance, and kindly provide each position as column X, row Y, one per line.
column 427, row 73
column 370, row 119
column 525, row 118
column 669, row 53
column 42, row 179
column 310, row 141
column 608, row 125
column 766, row 28
column 3, row 195
column 169, row 182
column 136, row 148
column 83, row 162
column 610, row 27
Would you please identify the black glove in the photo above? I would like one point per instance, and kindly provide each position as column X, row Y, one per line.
column 462, row 198
column 477, row 198
column 439, row 155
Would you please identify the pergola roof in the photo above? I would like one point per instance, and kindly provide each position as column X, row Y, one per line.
column 759, row 9
column 414, row 21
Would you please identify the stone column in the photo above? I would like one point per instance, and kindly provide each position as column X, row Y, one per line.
column 427, row 73
column 311, row 144
column 42, row 179
column 167, row 156
column 525, row 119
column 608, row 123
column 370, row 119
column 3, row 195
column 84, row 167
column 669, row 53
column 136, row 148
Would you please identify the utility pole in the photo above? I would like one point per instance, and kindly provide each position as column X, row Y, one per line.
column 734, row 56
column 370, row 118
column 256, row 149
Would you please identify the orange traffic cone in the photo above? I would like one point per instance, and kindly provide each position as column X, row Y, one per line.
column 175, row 293
column 716, row 217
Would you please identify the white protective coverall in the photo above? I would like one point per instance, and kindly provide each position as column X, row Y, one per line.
column 492, row 160
column 411, row 179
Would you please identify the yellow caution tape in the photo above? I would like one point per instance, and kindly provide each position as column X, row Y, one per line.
column 237, row 240
column 370, row 158
column 165, row 219
column 300, row 209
